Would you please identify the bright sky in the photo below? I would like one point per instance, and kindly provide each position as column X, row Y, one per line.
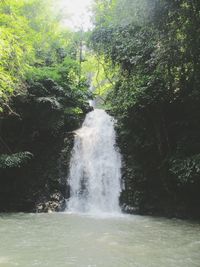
column 77, row 12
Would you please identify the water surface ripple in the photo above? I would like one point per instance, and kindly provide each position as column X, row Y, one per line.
column 65, row 240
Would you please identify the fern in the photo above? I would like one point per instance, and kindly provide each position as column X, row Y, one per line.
column 16, row 160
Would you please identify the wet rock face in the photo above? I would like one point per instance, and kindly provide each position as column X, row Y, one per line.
column 54, row 202
column 152, row 191
column 44, row 129
column 43, row 178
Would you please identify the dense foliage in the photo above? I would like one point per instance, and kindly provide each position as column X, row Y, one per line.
column 156, row 97
column 43, row 95
column 34, row 46
column 145, row 67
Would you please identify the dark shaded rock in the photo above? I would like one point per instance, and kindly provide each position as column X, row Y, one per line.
column 52, row 203
column 49, row 83
column 128, row 209
column 37, row 89
column 64, row 162
column 148, row 190
column 43, row 129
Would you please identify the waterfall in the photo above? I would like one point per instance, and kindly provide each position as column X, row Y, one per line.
column 95, row 167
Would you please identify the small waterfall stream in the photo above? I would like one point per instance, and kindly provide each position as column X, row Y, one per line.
column 95, row 167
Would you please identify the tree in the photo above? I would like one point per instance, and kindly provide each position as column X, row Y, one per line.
column 155, row 45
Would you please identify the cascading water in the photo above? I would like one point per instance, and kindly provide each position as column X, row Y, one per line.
column 95, row 167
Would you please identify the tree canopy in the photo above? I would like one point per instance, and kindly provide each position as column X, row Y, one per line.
column 34, row 45
column 141, row 60
column 156, row 96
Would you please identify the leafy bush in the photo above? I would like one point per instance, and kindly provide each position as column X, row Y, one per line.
column 186, row 171
column 16, row 160
column 155, row 96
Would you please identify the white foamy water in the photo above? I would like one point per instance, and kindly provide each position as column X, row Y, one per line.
column 95, row 167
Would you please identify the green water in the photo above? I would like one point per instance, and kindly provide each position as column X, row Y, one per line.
column 62, row 240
